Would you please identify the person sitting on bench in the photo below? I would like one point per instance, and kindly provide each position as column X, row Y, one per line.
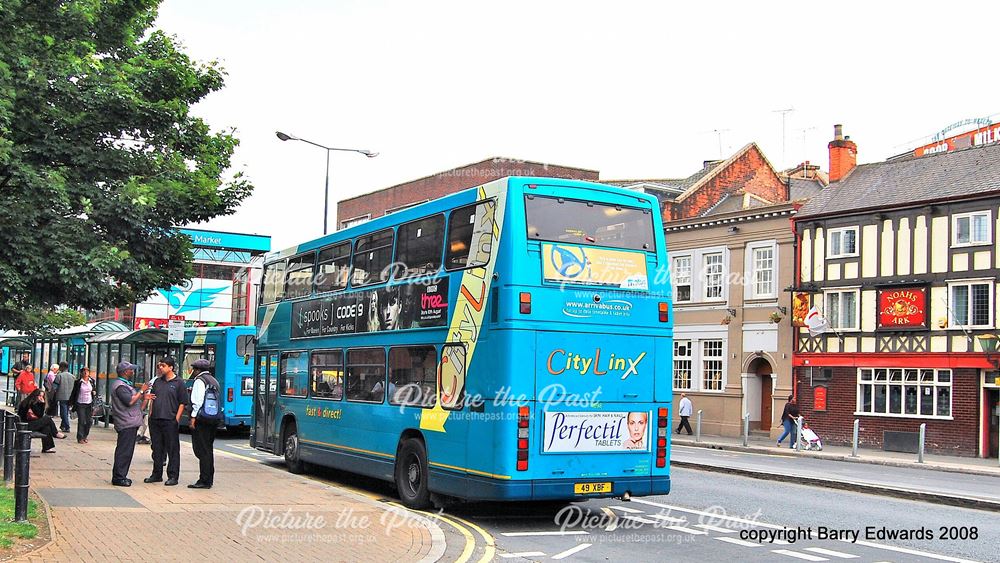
column 31, row 411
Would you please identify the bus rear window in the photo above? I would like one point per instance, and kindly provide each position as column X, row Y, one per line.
column 588, row 223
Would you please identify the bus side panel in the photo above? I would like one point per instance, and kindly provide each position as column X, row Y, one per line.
column 237, row 378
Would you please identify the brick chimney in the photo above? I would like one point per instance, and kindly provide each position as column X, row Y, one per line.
column 843, row 154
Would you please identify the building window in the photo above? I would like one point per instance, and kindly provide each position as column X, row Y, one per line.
column 682, row 364
column 762, row 270
column 843, row 242
column 842, row 309
column 919, row 393
column 971, row 304
column 711, row 365
column 354, row 221
column 712, row 270
column 970, row 229
column 682, row 278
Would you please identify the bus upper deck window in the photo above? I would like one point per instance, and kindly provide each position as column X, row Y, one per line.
column 299, row 275
column 470, row 236
column 274, row 282
column 418, row 247
column 588, row 223
column 372, row 256
column 333, row 267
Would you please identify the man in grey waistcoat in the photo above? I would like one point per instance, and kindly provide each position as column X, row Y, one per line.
column 127, row 412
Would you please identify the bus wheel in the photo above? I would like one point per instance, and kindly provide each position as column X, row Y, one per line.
column 411, row 474
column 292, row 460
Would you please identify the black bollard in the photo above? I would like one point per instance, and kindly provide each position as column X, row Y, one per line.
column 10, row 420
column 21, row 471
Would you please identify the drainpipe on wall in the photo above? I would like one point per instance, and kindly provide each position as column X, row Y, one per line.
column 796, row 281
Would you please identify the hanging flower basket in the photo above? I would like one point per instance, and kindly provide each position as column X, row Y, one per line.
column 776, row 317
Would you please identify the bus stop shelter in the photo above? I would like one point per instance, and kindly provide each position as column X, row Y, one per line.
column 69, row 345
column 12, row 346
column 141, row 347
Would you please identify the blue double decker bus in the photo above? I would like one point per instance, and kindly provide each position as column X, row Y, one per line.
column 512, row 341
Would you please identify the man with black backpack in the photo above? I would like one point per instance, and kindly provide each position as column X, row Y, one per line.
column 206, row 414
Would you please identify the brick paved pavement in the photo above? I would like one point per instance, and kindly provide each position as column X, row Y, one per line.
column 225, row 523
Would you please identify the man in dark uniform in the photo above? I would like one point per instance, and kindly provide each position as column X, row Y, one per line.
column 127, row 412
column 203, row 426
column 169, row 396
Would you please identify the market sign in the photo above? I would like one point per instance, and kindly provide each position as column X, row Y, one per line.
column 902, row 308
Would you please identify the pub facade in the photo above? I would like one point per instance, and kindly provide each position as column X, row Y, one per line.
column 901, row 259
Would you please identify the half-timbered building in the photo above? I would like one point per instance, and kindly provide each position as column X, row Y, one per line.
column 902, row 259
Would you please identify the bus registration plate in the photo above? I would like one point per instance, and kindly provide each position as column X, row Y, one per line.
column 591, row 488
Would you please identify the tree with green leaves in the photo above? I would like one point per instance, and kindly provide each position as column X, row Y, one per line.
column 100, row 157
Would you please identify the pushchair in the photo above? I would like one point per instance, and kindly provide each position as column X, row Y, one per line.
column 810, row 440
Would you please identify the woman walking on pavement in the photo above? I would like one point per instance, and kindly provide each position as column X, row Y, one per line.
column 32, row 412
column 82, row 401
column 788, row 418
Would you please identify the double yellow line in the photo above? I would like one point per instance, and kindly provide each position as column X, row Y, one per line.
column 463, row 526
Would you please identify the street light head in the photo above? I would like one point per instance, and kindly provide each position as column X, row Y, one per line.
column 284, row 136
column 369, row 154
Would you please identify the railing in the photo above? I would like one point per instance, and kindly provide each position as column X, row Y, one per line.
column 17, row 461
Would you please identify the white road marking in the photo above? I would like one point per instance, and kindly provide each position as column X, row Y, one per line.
column 522, row 554
column 687, row 530
column 626, row 509
column 566, row 533
column 571, row 551
column 612, row 519
column 668, row 518
column 781, row 542
column 831, row 553
column 720, row 517
column 798, row 555
column 735, row 541
column 708, row 514
column 640, row 519
column 912, row 552
column 715, row 529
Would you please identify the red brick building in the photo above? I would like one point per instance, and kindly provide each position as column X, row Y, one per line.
column 902, row 259
column 394, row 198
column 743, row 181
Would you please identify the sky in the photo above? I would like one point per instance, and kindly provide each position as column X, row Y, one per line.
column 633, row 89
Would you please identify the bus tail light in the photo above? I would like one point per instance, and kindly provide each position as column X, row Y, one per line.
column 229, row 395
column 661, row 437
column 525, row 299
column 522, row 437
column 664, row 312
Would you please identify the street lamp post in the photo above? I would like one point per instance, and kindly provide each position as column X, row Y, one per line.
column 326, row 188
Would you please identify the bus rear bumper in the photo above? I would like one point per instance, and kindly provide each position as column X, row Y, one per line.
column 470, row 487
